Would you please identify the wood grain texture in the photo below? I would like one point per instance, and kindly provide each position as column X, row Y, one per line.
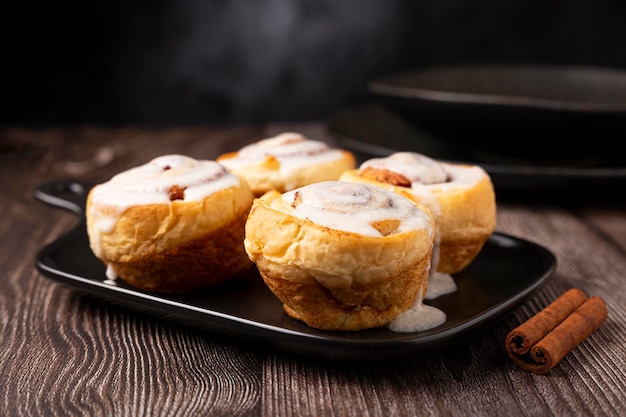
column 65, row 353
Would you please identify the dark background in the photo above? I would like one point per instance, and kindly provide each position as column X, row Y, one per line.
column 170, row 62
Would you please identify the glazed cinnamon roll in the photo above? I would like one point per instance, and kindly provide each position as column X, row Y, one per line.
column 287, row 161
column 460, row 197
column 341, row 256
column 173, row 225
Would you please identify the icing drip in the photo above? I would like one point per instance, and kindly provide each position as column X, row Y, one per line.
column 110, row 273
column 439, row 284
column 418, row 318
column 355, row 208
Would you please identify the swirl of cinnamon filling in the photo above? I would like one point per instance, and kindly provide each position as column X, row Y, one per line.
column 164, row 179
column 290, row 150
column 356, row 208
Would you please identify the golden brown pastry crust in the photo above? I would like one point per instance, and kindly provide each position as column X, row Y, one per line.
column 465, row 217
column 268, row 173
column 333, row 279
column 177, row 247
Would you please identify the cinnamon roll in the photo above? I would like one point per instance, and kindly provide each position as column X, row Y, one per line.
column 341, row 256
column 286, row 162
column 461, row 198
column 173, row 225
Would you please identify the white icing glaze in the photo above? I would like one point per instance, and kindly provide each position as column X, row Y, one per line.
column 426, row 174
column 285, row 145
column 439, row 284
column 110, row 273
column 428, row 177
column 415, row 167
column 418, row 318
column 292, row 150
column 151, row 183
column 353, row 207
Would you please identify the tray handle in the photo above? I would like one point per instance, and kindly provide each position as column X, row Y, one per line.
column 68, row 194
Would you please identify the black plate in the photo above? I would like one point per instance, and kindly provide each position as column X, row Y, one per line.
column 373, row 130
column 507, row 271
column 514, row 110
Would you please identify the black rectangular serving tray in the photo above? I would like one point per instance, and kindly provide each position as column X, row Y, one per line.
column 506, row 272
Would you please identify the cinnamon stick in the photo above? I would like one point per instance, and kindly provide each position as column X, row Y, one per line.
column 542, row 341
column 521, row 339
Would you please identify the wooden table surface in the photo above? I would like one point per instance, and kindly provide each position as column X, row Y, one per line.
column 64, row 353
